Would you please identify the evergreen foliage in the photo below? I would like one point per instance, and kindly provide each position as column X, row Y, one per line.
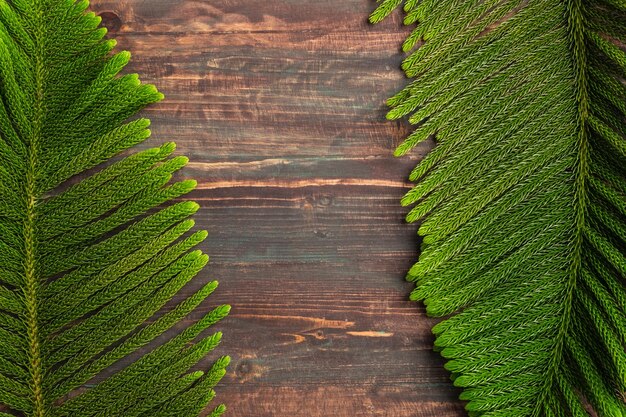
column 522, row 203
column 86, row 266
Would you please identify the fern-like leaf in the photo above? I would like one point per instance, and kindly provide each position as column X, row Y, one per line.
column 85, row 265
column 522, row 202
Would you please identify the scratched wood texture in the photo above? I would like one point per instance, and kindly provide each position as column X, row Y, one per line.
column 280, row 106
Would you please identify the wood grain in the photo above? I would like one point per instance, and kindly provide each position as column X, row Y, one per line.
column 280, row 106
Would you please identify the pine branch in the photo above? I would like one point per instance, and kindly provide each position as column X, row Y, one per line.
column 522, row 203
column 84, row 266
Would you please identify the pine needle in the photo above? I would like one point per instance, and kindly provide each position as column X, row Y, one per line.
column 522, row 203
column 86, row 264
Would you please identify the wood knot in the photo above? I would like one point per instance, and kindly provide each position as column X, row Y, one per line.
column 245, row 367
column 321, row 234
column 111, row 21
column 325, row 200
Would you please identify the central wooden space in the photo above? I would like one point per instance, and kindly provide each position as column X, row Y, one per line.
column 280, row 106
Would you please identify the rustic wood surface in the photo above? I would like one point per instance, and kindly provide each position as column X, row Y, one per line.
column 280, row 106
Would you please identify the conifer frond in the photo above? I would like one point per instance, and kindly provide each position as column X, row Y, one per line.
column 86, row 266
column 522, row 203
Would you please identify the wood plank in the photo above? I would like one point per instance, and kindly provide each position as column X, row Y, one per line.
column 280, row 106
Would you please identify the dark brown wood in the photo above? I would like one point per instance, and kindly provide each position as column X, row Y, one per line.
column 280, row 106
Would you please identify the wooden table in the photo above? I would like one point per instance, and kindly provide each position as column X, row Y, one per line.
column 280, row 106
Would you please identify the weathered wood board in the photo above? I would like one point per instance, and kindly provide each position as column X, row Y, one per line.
column 280, row 106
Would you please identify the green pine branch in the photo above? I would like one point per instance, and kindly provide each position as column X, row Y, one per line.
column 522, row 203
column 85, row 266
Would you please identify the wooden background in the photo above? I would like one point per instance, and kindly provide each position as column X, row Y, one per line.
column 280, row 106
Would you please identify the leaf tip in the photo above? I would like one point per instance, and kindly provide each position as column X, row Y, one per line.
column 226, row 360
column 181, row 160
column 189, row 207
column 125, row 56
column 196, row 375
column 400, row 151
column 202, row 234
column 416, row 295
column 168, row 147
